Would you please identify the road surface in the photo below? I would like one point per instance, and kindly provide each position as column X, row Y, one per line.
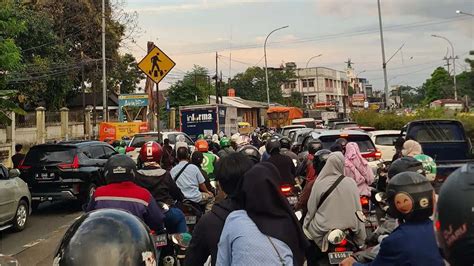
column 37, row 243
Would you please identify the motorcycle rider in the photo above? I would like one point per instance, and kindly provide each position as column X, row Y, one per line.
column 357, row 167
column 163, row 188
column 189, row 179
column 197, row 158
column 122, row 193
column 306, row 168
column 285, row 144
column 283, row 163
column 121, row 147
column 229, row 172
column 104, row 237
column 167, row 160
column 411, row 198
column 454, row 217
column 251, row 152
column 214, row 144
column 209, row 158
column 226, row 148
column 255, row 138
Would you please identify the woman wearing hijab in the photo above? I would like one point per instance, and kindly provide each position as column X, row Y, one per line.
column 356, row 167
column 264, row 231
column 411, row 148
column 336, row 211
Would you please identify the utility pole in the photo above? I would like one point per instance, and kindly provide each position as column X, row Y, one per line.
column 83, row 88
column 266, row 67
column 104, row 77
column 384, row 64
column 454, row 57
column 217, row 80
column 157, row 108
column 447, row 63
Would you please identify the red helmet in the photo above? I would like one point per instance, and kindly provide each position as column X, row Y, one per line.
column 151, row 152
column 201, row 145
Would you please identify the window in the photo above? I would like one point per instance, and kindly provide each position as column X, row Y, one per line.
column 109, row 151
column 311, row 83
column 386, row 140
column 139, row 140
column 363, row 141
column 49, row 154
column 305, row 83
column 97, row 152
column 293, row 84
column 287, row 85
column 326, row 81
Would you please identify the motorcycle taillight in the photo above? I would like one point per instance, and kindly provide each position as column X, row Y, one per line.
column 341, row 246
column 364, row 201
column 285, row 189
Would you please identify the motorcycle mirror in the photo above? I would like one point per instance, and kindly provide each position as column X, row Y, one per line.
column 380, row 197
column 361, row 216
column 299, row 215
column 182, row 239
column 8, row 261
column 336, row 236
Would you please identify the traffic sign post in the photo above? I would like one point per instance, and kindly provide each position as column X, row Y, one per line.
column 156, row 65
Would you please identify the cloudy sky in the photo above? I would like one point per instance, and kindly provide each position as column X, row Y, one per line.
column 191, row 31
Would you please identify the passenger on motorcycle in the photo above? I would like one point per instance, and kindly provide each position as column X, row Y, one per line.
column 229, row 172
column 306, row 168
column 168, row 158
column 336, row 210
column 197, row 158
column 209, row 158
column 251, row 152
column 122, row 193
column 213, row 143
column 285, row 144
column 283, row 163
column 121, row 148
column 163, row 188
column 189, row 179
column 357, row 168
column 454, row 217
column 226, row 148
column 410, row 197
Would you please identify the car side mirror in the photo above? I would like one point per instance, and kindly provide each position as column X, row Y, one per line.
column 14, row 173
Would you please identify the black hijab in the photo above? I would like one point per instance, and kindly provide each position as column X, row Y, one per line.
column 269, row 210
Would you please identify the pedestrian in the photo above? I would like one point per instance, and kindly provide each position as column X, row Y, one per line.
column 167, row 161
column 357, row 167
column 411, row 148
column 264, row 231
column 337, row 210
column 18, row 157
column 229, row 173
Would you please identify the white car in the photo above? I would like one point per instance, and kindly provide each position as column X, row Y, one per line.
column 286, row 129
column 384, row 141
column 135, row 145
column 15, row 200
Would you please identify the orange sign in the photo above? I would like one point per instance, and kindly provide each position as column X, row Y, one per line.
column 119, row 130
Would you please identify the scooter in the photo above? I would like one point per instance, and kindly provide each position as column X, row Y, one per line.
column 192, row 213
column 171, row 248
column 338, row 245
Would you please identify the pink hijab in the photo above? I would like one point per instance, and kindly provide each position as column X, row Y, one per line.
column 356, row 167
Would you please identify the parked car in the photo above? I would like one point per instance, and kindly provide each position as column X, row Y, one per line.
column 296, row 137
column 308, row 122
column 384, row 141
column 15, row 200
column 361, row 128
column 286, row 129
column 65, row 171
column 133, row 148
column 343, row 125
column 304, row 139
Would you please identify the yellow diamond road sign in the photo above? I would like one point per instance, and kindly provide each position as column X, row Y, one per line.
column 156, row 64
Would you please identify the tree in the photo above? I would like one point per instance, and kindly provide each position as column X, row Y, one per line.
column 192, row 89
column 7, row 106
column 126, row 75
column 251, row 84
column 295, row 99
column 439, row 86
column 470, row 61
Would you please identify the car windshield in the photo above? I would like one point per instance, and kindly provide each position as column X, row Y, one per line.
column 363, row 141
column 139, row 140
column 437, row 132
column 386, row 140
column 345, row 125
column 48, row 155
column 173, row 138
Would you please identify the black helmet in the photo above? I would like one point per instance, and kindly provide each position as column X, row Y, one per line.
column 320, row 158
column 119, row 168
column 455, row 217
column 285, row 143
column 106, row 237
column 405, row 164
column 251, row 152
column 410, row 197
column 313, row 146
column 273, row 146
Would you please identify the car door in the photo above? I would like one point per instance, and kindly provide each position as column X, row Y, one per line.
column 98, row 155
column 7, row 196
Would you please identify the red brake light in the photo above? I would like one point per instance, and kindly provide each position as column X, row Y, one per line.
column 285, row 188
column 73, row 165
column 364, row 201
column 340, row 249
column 128, row 149
column 343, row 243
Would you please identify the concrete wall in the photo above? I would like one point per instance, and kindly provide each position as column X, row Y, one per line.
column 27, row 136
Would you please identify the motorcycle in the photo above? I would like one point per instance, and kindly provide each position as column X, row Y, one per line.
column 338, row 245
column 291, row 193
column 171, row 248
column 192, row 213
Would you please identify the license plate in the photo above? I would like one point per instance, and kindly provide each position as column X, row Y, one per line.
column 292, row 200
column 190, row 219
column 45, row 176
column 161, row 240
column 338, row 257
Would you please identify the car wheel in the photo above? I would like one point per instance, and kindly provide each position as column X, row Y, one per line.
column 90, row 192
column 21, row 216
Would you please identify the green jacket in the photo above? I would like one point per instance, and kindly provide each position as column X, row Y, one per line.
column 208, row 164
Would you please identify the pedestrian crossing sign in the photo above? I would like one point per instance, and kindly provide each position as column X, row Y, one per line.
column 156, row 64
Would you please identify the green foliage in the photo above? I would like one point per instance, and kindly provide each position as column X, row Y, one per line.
column 470, row 61
column 439, row 86
column 294, row 99
column 126, row 75
column 7, row 106
column 193, row 89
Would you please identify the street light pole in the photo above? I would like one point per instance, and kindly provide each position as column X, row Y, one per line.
column 454, row 63
column 104, row 81
column 464, row 13
column 266, row 68
column 307, row 63
column 384, row 64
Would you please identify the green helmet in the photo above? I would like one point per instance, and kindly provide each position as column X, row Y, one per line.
column 429, row 166
column 225, row 142
column 123, row 143
column 200, row 136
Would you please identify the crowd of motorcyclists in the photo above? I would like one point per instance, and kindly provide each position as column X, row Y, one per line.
column 236, row 182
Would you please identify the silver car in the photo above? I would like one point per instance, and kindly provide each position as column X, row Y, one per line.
column 15, row 200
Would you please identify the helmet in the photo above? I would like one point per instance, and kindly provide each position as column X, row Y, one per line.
column 225, row 142
column 429, row 166
column 266, row 136
column 285, row 143
column 108, row 231
column 251, row 152
column 410, row 197
column 200, row 136
column 313, row 146
column 454, row 224
column 404, row 164
column 123, row 143
column 202, row 145
column 119, row 168
column 151, row 152
column 272, row 146
column 320, row 158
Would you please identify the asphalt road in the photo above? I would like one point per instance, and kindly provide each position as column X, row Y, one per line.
column 42, row 234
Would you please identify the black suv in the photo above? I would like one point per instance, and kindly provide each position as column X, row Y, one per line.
column 65, row 170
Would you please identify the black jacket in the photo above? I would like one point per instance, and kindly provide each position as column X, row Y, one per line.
column 207, row 232
column 285, row 166
column 160, row 184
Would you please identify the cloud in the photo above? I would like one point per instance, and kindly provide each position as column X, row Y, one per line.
column 187, row 6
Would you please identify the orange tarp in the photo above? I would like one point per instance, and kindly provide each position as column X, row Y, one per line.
column 293, row 112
